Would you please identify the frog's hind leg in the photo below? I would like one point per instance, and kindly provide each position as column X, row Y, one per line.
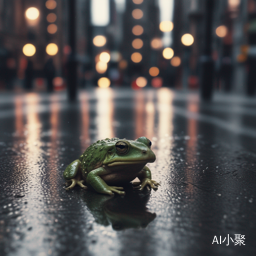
column 73, row 174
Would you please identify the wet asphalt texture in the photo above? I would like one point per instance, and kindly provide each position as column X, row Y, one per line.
column 205, row 162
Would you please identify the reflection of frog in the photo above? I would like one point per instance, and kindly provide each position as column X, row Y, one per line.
column 121, row 212
column 111, row 162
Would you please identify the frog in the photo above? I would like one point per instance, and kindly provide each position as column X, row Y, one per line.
column 108, row 163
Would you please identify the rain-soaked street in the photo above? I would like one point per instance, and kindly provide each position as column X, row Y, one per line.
column 205, row 162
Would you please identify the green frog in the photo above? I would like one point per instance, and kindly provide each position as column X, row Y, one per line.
column 110, row 162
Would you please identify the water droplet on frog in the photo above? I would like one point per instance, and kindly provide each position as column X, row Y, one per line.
column 250, row 200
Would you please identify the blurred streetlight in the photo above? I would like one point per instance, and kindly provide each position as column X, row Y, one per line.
column 136, row 57
column 101, row 67
column 104, row 82
column 137, row 43
column 50, row 4
column 32, row 13
column 166, row 26
column 156, row 43
column 51, row 17
column 99, row 40
column 221, row 31
column 141, row 81
column 175, row 61
column 52, row 49
column 137, row 30
column 137, row 14
column 154, row 71
column 104, row 57
column 168, row 53
column 52, row 29
column 187, row 39
column 123, row 64
column 29, row 50
column 137, row 1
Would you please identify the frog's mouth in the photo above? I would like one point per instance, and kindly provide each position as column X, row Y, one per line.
column 126, row 163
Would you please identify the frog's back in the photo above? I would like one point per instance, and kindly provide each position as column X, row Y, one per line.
column 94, row 155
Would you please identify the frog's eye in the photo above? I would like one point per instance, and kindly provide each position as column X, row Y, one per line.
column 149, row 143
column 121, row 147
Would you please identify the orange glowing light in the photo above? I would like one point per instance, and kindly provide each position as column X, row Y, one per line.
column 52, row 49
column 137, row 1
column 154, row 71
column 137, row 30
column 104, row 82
column 29, row 50
column 166, row 26
column 141, row 81
column 156, row 43
column 50, row 4
column 51, row 17
column 99, row 40
column 123, row 64
column 58, row 81
column 221, row 31
column 32, row 13
column 137, row 43
column 175, row 61
column 187, row 39
column 101, row 67
column 104, row 57
column 168, row 53
column 136, row 57
column 137, row 14
column 52, row 29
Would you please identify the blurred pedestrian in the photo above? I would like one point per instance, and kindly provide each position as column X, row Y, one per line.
column 29, row 75
column 49, row 73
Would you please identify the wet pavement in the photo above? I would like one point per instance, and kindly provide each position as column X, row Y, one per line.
column 206, row 164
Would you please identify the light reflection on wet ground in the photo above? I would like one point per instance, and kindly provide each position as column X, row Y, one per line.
column 205, row 163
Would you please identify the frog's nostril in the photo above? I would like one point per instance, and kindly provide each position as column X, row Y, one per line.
column 144, row 151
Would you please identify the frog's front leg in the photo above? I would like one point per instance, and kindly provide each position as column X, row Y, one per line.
column 73, row 174
column 99, row 185
column 145, row 179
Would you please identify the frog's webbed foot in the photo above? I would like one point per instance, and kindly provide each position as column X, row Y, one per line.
column 117, row 190
column 76, row 182
column 152, row 183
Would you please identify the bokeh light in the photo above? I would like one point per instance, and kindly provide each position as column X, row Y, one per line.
column 175, row 61
column 168, row 53
column 50, row 4
column 101, row 67
column 221, row 31
column 241, row 57
column 51, row 17
column 187, row 39
column 29, row 50
column 58, row 81
column 32, row 13
column 156, row 43
column 136, row 57
column 154, row 71
column 52, row 29
column 157, row 82
column 137, row 1
column 137, row 14
column 137, row 30
column 104, row 57
column 99, row 40
column 166, row 26
column 141, row 81
column 52, row 49
column 104, row 82
column 123, row 64
column 137, row 43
